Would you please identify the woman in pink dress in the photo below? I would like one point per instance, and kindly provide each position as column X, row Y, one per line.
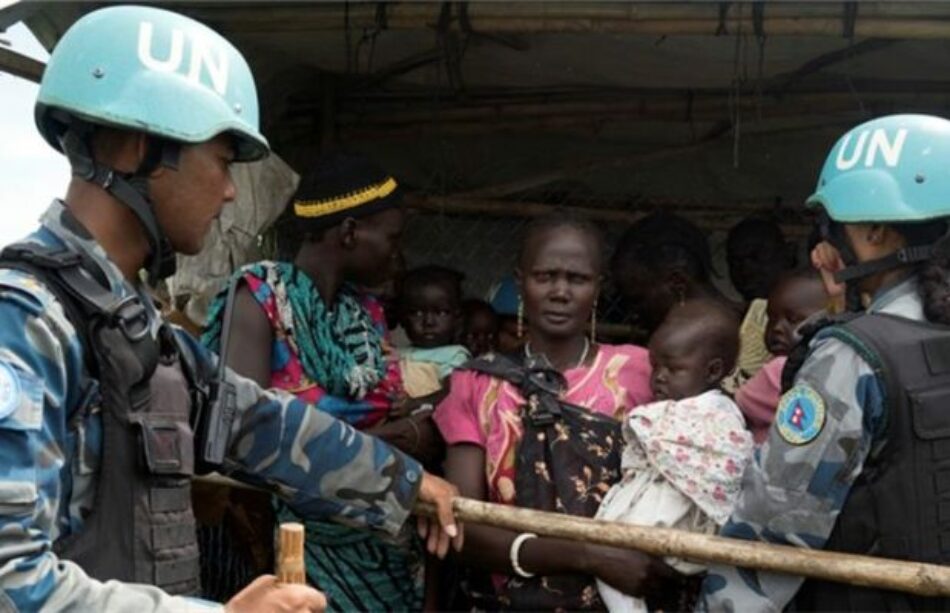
column 484, row 417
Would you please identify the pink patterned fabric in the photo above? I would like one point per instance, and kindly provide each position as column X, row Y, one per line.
column 486, row 411
column 759, row 396
column 698, row 444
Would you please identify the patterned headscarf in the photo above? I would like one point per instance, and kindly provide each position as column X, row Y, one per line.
column 339, row 348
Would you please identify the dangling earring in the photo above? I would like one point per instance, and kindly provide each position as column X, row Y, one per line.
column 520, row 318
column 681, row 293
column 593, row 323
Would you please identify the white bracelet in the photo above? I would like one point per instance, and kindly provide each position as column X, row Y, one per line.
column 515, row 549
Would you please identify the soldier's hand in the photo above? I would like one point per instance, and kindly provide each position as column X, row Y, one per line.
column 827, row 261
column 439, row 533
column 265, row 594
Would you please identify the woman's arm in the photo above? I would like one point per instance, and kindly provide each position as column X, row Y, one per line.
column 250, row 351
column 488, row 548
column 249, row 346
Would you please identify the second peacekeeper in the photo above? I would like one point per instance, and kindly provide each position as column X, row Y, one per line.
column 858, row 457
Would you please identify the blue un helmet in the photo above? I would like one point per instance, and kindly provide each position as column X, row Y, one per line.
column 151, row 71
column 889, row 170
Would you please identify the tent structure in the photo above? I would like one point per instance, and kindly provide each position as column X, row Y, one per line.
column 492, row 113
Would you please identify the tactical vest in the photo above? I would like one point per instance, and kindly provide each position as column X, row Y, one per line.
column 899, row 506
column 141, row 528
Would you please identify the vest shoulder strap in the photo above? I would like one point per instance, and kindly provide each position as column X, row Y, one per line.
column 85, row 300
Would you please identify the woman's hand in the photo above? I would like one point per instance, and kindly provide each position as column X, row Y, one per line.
column 632, row 572
column 402, row 406
column 439, row 532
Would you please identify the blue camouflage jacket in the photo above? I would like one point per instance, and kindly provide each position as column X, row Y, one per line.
column 50, row 449
column 793, row 491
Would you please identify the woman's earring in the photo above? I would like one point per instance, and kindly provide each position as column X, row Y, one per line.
column 593, row 323
column 520, row 318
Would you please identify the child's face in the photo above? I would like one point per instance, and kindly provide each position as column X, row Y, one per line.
column 508, row 339
column 682, row 367
column 481, row 332
column 791, row 301
column 431, row 316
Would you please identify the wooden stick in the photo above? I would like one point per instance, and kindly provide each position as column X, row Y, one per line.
column 883, row 573
column 290, row 564
column 899, row 575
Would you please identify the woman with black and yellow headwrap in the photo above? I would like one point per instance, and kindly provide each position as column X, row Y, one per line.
column 303, row 325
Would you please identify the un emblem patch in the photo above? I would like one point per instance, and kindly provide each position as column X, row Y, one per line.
column 800, row 415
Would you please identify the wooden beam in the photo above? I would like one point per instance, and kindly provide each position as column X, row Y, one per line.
column 646, row 107
column 782, row 82
column 400, row 67
column 12, row 12
column 709, row 215
column 576, row 168
column 20, row 65
column 881, row 19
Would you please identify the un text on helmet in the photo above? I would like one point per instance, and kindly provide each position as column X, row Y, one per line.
column 203, row 57
column 889, row 148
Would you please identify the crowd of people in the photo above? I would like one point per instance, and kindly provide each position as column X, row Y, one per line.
column 657, row 438
column 344, row 386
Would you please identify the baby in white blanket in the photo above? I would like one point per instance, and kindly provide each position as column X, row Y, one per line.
column 686, row 452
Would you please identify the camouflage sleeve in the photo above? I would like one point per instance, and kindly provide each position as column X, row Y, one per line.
column 40, row 362
column 796, row 486
column 323, row 467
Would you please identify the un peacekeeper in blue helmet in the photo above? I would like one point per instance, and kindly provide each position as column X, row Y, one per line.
column 104, row 407
column 857, row 456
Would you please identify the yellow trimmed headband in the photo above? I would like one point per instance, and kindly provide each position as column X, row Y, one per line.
column 329, row 206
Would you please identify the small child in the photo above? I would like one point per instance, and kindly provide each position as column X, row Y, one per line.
column 430, row 310
column 795, row 297
column 479, row 326
column 686, row 451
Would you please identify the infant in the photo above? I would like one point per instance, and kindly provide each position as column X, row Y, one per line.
column 686, row 451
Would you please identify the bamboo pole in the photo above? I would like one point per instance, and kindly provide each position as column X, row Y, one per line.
column 290, row 564
column 881, row 573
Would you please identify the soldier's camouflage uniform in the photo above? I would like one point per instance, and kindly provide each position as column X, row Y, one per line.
column 792, row 494
column 51, row 438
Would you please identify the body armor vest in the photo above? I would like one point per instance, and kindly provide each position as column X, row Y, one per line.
column 899, row 506
column 141, row 528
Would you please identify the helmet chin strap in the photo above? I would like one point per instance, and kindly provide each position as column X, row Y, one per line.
column 901, row 257
column 853, row 270
column 129, row 189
